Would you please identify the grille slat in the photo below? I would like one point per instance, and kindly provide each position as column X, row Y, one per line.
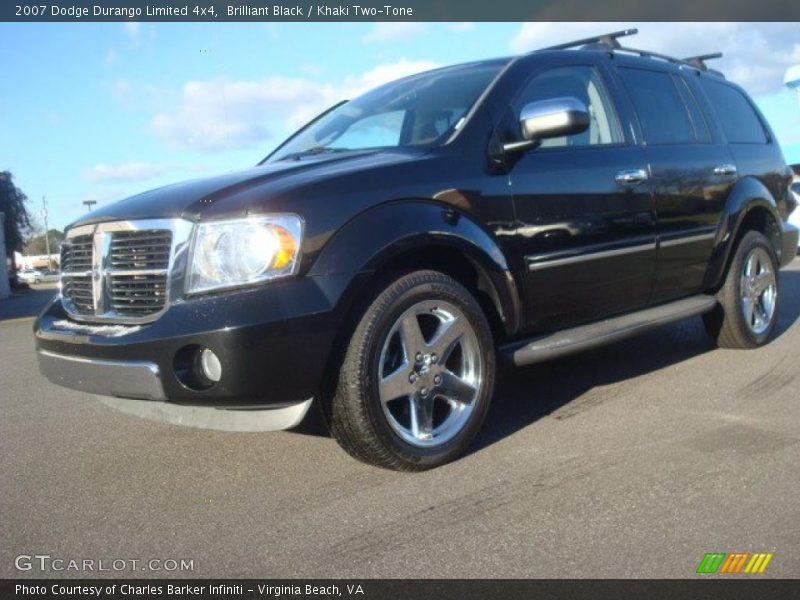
column 140, row 249
column 76, row 254
column 79, row 291
column 138, row 295
column 128, row 295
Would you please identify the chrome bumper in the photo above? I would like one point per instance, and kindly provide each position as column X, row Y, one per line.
column 124, row 379
column 133, row 386
column 789, row 243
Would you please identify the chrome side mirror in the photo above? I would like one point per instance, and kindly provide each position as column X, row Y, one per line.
column 550, row 118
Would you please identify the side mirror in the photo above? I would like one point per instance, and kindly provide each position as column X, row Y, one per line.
column 550, row 118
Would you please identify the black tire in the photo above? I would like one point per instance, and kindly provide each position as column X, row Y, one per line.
column 727, row 325
column 356, row 413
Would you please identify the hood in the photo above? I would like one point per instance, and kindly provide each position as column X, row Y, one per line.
column 233, row 194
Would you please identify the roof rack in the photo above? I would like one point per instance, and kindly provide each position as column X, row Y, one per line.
column 607, row 40
column 610, row 42
column 700, row 61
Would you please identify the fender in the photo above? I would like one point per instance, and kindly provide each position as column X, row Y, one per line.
column 748, row 194
column 379, row 234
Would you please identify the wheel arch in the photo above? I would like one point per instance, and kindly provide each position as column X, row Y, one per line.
column 413, row 234
column 750, row 207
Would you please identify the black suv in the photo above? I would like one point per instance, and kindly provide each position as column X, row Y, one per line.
column 386, row 256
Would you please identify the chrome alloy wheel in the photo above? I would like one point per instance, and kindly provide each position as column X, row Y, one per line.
column 758, row 291
column 430, row 373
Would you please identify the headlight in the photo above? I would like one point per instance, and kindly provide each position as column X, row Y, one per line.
column 244, row 251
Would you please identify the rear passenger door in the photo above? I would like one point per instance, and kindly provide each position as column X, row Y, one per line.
column 754, row 148
column 691, row 173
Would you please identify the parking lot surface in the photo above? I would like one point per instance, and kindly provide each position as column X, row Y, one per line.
column 632, row 460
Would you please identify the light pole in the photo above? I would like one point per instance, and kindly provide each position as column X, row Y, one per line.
column 89, row 204
column 46, row 233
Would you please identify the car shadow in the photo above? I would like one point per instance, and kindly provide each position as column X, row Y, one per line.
column 559, row 387
column 26, row 304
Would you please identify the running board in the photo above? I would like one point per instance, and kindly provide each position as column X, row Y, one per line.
column 585, row 337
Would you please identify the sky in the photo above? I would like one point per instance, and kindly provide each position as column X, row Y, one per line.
column 101, row 111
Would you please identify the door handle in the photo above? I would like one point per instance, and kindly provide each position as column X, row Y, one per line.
column 726, row 169
column 631, row 177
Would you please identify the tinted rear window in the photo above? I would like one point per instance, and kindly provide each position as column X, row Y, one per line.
column 739, row 121
column 699, row 122
column 661, row 110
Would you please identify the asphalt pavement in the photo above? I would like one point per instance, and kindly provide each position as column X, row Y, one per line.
column 632, row 460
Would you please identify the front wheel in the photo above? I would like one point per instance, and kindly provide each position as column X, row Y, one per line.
column 748, row 300
column 417, row 376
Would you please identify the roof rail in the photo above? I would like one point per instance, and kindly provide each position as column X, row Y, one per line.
column 696, row 62
column 700, row 61
column 607, row 40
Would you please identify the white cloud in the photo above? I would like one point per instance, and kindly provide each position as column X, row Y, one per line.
column 385, row 73
column 111, row 57
column 132, row 28
column 755, row 55
column 132, row 171
column 383, row 33
column 220, row 114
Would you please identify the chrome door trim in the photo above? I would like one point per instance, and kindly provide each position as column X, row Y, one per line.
column 537, row 264
column 689, row 239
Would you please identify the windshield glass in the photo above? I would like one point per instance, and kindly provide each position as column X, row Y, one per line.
column 414, row 111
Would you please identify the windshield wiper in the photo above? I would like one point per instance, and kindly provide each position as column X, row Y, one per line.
column 314, row 151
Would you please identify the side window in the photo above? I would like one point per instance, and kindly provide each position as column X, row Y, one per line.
column 690, row 102
column 739, row 121
column 662, row 113
column 373, row 131
column 583, row 83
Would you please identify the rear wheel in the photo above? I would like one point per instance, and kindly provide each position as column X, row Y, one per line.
column 417, row 376
column 748, row 301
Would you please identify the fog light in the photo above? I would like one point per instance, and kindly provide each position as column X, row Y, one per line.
column 210, row 365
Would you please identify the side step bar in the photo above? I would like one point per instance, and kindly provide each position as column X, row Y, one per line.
column 585, row 337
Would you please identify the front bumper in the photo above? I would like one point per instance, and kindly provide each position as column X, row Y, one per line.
column 125, row 378
column 789, row 242
column 273, row 342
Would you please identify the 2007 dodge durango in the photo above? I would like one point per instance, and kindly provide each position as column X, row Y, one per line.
column 389, row 254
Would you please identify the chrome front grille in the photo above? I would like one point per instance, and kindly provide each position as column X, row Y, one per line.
column 120, row 271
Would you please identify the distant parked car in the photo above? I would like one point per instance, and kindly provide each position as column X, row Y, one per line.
column 49, row 276
column 27, row 275
column 36, row 276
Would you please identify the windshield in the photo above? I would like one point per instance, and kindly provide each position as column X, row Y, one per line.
column 415, row 111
